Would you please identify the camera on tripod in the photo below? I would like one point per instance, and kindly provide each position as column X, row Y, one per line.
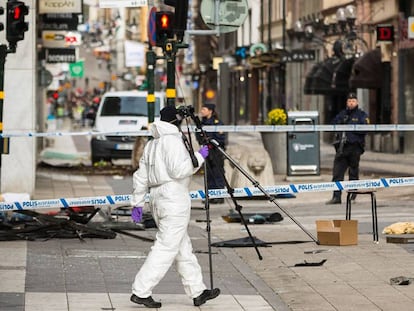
column 186, row 111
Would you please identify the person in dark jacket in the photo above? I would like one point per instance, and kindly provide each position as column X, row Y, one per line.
column 215, row 160
column 349, row 146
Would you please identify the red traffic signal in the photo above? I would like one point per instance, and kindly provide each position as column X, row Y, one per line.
column 165, row 21
column 164, row 26
column 16, row 26
column 181, row 16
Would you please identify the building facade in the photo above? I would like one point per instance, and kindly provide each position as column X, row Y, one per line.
column 313, row 52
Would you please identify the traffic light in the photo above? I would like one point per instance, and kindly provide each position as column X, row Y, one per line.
column 164, row 27
column 1, row 13
column 16, row 26
column 181, row 16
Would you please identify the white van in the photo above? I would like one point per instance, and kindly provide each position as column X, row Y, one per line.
column 122, row 111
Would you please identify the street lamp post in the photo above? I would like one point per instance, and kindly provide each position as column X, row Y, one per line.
column 283, row 65
column 269, row 69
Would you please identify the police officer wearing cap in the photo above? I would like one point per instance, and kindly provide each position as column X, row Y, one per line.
column 349, row 146
column 215, row 160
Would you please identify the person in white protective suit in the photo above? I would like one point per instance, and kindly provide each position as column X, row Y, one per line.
column 165, row 170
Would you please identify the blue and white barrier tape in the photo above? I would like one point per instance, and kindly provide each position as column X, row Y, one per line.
column 219, row 193
column 235, row 129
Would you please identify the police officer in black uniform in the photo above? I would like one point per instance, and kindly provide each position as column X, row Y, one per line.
column 215, row 160
column 349, row 146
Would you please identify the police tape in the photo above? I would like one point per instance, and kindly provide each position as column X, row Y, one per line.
column 216, row 193
column 233, row 129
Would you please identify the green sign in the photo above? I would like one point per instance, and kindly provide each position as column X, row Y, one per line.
column 76, row 69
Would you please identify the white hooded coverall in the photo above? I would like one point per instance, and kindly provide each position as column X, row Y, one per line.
column 165, row 170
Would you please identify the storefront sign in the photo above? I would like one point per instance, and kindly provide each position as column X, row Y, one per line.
column 60, row 39
column 77, row 69
column 385, row 33
column 60, row 6
column 65, row 55
column 134, row 54
column 299, row 56
column 66, row 21
column 122, row 3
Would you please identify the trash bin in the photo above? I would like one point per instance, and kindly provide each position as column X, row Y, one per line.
column 303, row 147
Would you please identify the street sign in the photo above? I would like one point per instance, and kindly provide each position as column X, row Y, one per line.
column 231, row 14
column 63, row 55
column 76, row 70
column 152, row 37
column 121, row 3
column 60, row 6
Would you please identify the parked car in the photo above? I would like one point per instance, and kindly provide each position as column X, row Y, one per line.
column 123, row 111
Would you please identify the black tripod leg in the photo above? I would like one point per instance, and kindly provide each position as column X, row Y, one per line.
column 238, row 208
column 208, row 227
column 249, row 233
column 257, row 185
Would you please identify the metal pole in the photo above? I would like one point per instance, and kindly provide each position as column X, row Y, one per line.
column 151, row 88
column 170, row 51
column 261, row 21
column 269, row 71
column 283, row 65
column 4, row 142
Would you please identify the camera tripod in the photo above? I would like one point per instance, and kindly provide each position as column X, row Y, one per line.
column 204, row 139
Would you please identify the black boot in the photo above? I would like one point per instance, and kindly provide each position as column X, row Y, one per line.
column 148, row 302
column 207, row 294
column 336, row 198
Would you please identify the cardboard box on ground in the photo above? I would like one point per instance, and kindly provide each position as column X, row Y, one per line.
column 337, row 232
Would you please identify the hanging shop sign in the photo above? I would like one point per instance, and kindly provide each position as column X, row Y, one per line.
column 62, row 55
column 66, row 21
column 77, row 69
column 385, row 33
column 258, row 49
column 60, row 6
column 299, row 56
column 107, row 4
column 60, row 39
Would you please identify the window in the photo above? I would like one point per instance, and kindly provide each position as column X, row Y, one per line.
column 128, row 106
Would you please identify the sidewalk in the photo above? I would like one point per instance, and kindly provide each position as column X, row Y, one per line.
column 67, row 274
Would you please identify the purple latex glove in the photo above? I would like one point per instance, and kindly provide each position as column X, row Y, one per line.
column 203, row 151
column 136, row 214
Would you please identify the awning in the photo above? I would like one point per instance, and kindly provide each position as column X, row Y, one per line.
column 340, row 78
column 367, row 71
column 308, row 87
column 329, row 77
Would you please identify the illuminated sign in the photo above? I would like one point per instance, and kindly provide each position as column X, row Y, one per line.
column 385, row 33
